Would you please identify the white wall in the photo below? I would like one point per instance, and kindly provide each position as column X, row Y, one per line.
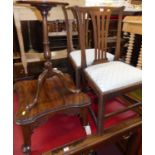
column 56, row 13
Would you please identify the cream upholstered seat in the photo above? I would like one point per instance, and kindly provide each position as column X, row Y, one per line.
column 114, row 75
column 90, row 55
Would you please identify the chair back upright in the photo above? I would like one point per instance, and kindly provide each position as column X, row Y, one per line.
column 69, row 17
column 100, row 17
column 82, row 16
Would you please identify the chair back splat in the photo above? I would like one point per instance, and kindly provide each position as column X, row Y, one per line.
column 100, row 29
column 100, row 17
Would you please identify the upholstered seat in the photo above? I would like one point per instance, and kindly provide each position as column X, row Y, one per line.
column 114, row 75
column 90, row 55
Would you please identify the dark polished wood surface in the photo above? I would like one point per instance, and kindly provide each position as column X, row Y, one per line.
column 52, row 92
column 41, row 2
column 53, row 97
column 44, row 7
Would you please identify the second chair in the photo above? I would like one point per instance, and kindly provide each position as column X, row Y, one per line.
column 107, row 78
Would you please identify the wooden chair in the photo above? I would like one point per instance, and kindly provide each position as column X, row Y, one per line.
column 75, row 56
column 107, row 78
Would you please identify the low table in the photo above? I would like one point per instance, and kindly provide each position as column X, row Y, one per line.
column 53, row 98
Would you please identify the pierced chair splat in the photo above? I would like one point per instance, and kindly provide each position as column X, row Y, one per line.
column 77, row 57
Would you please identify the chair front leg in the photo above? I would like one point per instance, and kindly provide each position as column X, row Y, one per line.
column 101, row 105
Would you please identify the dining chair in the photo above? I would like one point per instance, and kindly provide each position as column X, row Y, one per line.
column 108, row 79
column 75, row 56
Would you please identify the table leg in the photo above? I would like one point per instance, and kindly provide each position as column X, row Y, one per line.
column 27, row 132
column 83, row 115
